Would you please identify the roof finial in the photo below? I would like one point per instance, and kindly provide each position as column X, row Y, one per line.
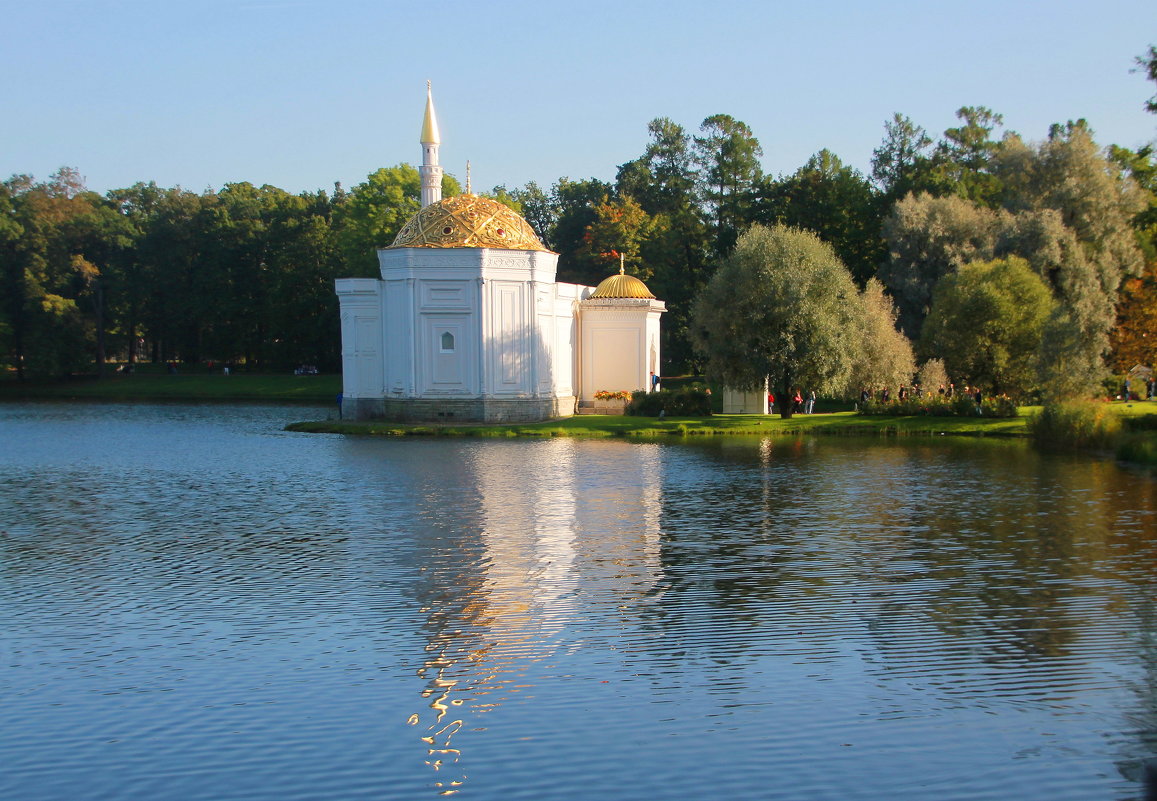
column 468, row 176
column 622, row 263
column 430, row 133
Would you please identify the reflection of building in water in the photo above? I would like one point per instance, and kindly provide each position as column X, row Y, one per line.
column 586, row 521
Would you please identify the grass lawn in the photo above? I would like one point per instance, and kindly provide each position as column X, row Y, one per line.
column 593, row 425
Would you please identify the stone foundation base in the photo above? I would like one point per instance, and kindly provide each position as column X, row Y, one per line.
column 458, row 410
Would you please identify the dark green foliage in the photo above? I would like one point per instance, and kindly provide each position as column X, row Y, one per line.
column 245, row 274
column 940, row 406
column 683, row 402
column 1148, row 64
column 835, row 202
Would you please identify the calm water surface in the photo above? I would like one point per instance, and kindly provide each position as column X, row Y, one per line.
column 195, row 604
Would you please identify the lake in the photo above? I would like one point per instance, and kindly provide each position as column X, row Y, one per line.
column 196, row 604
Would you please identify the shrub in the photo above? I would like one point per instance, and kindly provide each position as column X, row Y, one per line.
column 1082, row 424
column 1000, row 406
column 686, row 402
column 940, row 406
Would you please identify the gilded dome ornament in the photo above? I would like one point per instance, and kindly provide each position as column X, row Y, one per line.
column 467, row 221
column 622, row 286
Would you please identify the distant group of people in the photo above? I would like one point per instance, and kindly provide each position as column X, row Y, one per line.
column 1150, row 389
column 946, row 392
column 799, row 404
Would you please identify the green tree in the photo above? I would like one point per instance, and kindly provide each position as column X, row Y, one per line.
column 12, row 294
column 303, row 261
column 48, row 283
column 505, row 197
column 664, row 180
column 963, row 157
column 986, row 323
column 376, row 209
column 1141, row 166
column 729, row 172
column 180, row 297
column 836, row 202
column 618, row 229
column 1070, row 177
column 540, row 210
column 575, row 202
column 903, row 161
column 1148, row 65
column 780, row 308
column 884, row 357
column 928, row 238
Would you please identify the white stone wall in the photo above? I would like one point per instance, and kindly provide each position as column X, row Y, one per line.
column 738, row 401
column 464, row 326
column 362, row 351
column 619, row 344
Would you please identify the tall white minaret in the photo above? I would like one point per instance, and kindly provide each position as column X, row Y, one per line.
column 430, row 171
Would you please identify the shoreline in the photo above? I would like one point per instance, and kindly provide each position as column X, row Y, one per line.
column 1135, row 445
column 621, row 426
column 191, row 387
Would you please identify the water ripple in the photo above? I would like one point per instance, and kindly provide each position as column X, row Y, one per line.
column 198, row 605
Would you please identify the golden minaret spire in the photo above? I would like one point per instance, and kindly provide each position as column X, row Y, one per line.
column 430, row 172
column 430, row 134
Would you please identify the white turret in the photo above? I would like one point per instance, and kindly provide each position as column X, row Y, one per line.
column 430, row 172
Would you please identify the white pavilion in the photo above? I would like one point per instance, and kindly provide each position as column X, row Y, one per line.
column 467, row 322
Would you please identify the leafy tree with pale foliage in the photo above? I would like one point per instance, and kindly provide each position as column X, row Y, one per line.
column 1068, row 175
column 781, row 308
column 986, row 323
column 885, row 357
column 932, row 375
column 928, row 238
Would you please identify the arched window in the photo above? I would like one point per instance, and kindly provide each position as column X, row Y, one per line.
column 447, row 342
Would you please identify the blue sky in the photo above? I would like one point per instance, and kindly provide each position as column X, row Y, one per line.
column 301, row 94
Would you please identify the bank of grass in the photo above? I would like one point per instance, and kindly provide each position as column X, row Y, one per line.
column 1128, row 430
column 202, row 386
column 593, row 425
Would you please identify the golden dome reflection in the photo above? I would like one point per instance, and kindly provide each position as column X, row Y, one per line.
column 467, row 221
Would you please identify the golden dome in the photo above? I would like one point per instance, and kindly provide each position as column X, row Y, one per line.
column 622, row 286
column 467, row 221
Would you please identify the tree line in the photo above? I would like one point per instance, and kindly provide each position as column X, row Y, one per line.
column 1006, row 258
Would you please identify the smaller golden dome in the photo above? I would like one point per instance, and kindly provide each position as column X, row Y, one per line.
column 467, row 221
column 622, row 286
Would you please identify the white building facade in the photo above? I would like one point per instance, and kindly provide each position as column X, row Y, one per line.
column 467, row 322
